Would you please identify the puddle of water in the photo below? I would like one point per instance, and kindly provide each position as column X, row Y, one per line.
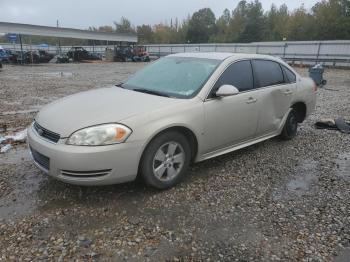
column 24, row 184
column 20, row 112
column 11, row 103
column 306, row 176
column 301, row 184
column 343, row 256
column 343, row 166
column 55, row 74
column 21, row 202
column 15, row 156
column 45, row 75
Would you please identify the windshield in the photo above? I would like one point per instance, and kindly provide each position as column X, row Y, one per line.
column 180, row 77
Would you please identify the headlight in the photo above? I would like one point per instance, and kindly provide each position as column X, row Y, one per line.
column 100, row 135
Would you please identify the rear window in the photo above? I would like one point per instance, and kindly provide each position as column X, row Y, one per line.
column 268, row 73
column 290, row 76
column 239, row 74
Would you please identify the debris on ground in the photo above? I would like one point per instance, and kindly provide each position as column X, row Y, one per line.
column 9, row 140
column 334, row 124
column 343, row 126
column 18, row 137
column 5, row 148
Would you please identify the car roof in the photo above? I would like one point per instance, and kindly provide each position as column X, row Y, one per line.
column 222, row 56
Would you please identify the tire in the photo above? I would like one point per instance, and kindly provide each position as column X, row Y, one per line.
column 165, row 161
column 290, row 128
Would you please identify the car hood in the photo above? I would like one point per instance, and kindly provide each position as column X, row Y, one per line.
column 105, row 105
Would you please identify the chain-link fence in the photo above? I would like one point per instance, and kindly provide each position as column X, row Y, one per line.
column 327, row 52
column 333, row 53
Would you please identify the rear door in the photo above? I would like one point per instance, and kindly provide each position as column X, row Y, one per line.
column 231, row 120
column 277, row 85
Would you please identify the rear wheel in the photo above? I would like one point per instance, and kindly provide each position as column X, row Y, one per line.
column 165, row 160
column 290, row 128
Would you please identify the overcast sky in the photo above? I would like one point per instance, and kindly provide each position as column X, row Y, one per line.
column 83, row 13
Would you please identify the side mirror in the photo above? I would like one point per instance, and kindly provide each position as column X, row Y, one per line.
column 227, row 90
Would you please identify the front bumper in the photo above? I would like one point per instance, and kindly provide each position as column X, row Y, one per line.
column 86, row 165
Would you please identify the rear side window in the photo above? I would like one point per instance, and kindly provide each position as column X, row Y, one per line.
column 268, row 73
column 290, row 76
column 239, row 74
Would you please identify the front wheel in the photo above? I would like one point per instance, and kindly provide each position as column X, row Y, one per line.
column 166, row 160
column 290, row 128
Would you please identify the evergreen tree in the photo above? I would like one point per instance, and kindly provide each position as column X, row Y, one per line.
column 201, row 26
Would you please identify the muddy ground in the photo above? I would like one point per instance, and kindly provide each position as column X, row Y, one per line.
column 273, row 201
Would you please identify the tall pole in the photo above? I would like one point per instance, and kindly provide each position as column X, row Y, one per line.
column 20, row 40
column 59, row 41
column 318, row 51
column 31, row 52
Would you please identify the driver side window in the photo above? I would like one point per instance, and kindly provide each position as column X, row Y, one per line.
column 239, row 74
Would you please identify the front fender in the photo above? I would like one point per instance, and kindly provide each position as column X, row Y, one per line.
column 148, row 126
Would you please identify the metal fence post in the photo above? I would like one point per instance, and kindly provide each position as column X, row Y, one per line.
column 284, row 50
column 318, row 51
column 20, row 40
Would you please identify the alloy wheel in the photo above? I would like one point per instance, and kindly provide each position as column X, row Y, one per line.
column 168, row 161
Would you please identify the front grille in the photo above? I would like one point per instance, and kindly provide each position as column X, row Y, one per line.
column 40, row 159
column 85, row 174
column 43, row 132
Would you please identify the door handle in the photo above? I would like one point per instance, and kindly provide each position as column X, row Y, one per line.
column 251, row 100
column 288, row 92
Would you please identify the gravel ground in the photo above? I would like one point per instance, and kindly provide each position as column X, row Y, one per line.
column 273, row 201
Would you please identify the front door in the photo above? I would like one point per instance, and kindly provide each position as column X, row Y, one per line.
column 232, row 120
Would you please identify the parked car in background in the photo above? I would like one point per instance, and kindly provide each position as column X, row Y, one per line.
column 123, row 53
column 78, row 53
column 12, row 56
column 131, row 54
column 17, row 57
column 30, row 57
column 61, row 59
column 180, row 109
column 141, row 54
column 44, row 56
column 4, row 57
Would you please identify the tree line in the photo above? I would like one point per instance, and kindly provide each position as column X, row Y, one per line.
column 247, row 22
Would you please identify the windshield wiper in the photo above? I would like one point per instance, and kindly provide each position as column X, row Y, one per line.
column 120, row 85
column 152, row 92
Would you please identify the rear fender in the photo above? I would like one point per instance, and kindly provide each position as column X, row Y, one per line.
column 284, row 119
